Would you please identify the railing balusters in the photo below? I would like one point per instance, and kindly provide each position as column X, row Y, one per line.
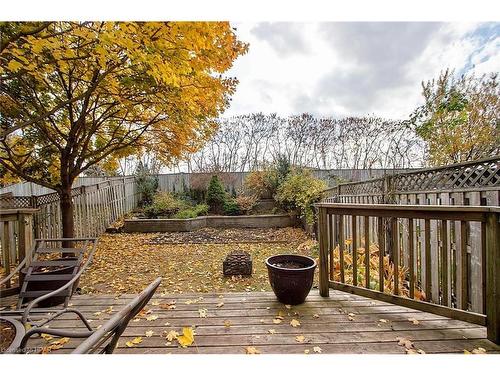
column 331, row 242
column 395, row 254
column 464, row 285
column 341, row 248
column 367, row 252
column 354, row 244
column 381, row 252
column 450, row 235
column 324, row 289
column 444, row 263
column 428, row 259
column 411, row 249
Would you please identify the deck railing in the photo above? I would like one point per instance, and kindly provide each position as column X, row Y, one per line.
column 414, row 256
column 16, row 229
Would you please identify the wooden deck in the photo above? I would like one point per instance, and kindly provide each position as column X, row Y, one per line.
column 342, row 323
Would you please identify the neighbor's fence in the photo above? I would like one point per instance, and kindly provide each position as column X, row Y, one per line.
column 474, row 183
column 415, row 256
column 95, row 207
column 233, row 181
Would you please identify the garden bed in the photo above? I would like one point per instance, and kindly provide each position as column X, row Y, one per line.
column 187, row 225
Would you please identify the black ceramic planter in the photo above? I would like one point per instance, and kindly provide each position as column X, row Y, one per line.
column 291, row 277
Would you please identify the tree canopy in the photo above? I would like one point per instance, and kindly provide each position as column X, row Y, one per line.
column 459, row 120
column 79, row 94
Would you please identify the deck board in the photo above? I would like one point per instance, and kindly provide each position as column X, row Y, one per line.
column 251, row 315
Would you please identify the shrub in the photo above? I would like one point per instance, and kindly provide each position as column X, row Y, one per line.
column 246, row 202
column 231, row 207
column 263, row 184
column 164, row 204
column 147, row 183
column 299, row 191
column 192, row 212
column 216, row 196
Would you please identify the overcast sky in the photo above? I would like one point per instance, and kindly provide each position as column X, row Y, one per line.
column 338, row 69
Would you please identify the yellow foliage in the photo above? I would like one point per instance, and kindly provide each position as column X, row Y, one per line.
column 135, row 86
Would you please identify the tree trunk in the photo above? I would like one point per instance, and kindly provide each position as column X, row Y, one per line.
column 68, row 224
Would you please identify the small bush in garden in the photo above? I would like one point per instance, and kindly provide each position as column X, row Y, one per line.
column 192, row 212
column 147, row 183
column 231, row 207
column 216, row 196
column 283, row 168
column 164, row 204
column 299, row 191
column 262, row 183
column 246, row 202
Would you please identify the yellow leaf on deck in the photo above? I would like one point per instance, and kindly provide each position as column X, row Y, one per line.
column 317, row 349
column 187, row 337
column 300, row 338
column 149, row 333
column 294, row 323
column 252, row 350
column 172, row 335
column 152, row 317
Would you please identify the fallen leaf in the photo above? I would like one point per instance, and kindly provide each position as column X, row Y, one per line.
column 203, row 313
column 306, row 351
column 317, row 349
column 300, row 338
column 220, row 304
column 294, row 323
column 149, row 333
column 133, row 342
column 414, row 321
column 252, row 350
column 55, row 345
column 187, row 337
column 316, row 316
column 383, row 320
column 168, row 306
column 478, row 351
column 227, row 323
column 272, row 331
column 172, row 335
column 405, row 342
column 152, row 317
column 46, row 336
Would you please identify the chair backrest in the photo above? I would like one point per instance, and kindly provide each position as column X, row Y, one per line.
column 111, row 331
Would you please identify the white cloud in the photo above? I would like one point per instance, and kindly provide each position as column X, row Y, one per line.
column 344, row 69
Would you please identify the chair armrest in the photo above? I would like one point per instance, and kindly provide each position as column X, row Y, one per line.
column 16, row 270
column 53, row 332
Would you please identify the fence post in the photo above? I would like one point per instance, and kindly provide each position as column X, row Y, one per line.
column 324, row 288
column 493, row 277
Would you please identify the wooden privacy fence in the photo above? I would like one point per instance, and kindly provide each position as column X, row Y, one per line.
column 95, row 207
column 415, row 256
column 474, row 183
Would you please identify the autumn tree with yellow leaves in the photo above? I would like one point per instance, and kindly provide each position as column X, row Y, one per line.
column 460, row 118
column 79, row 94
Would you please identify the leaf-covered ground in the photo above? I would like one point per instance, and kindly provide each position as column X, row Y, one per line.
column 127, row 263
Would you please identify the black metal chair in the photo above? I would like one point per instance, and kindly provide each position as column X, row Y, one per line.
column 28, row 299
column 104, row 339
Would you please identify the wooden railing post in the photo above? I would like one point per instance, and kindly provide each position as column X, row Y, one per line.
column 493, row 277
column 324, row 288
